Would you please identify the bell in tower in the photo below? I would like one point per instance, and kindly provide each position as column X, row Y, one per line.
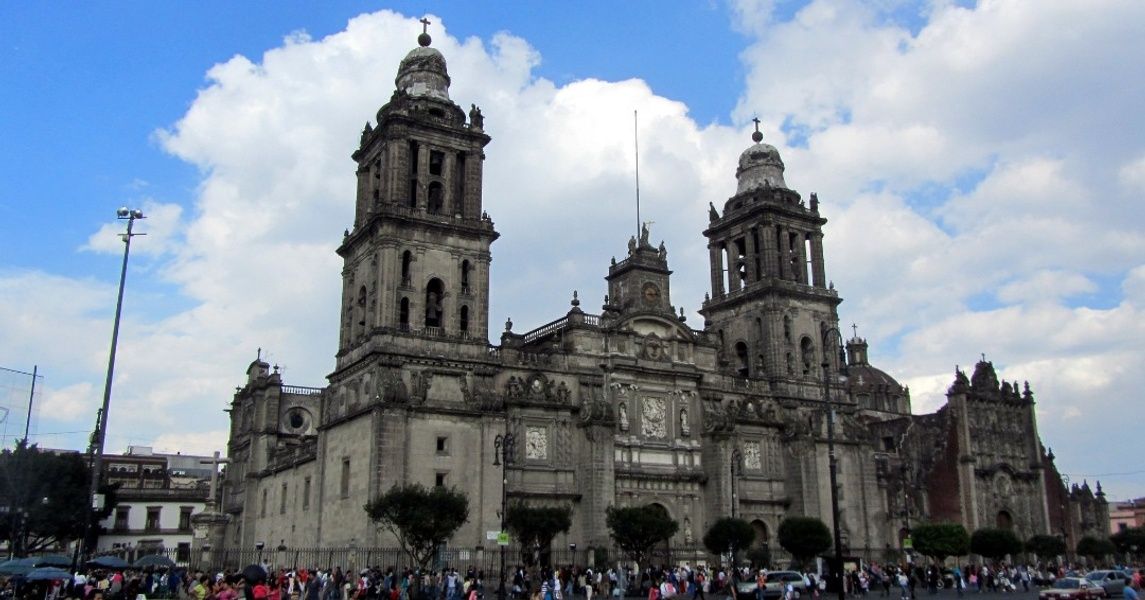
column 416, row 262
column 769, row 300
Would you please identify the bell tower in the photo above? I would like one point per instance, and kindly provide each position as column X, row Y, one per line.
column 769, row 302
column 416, row 263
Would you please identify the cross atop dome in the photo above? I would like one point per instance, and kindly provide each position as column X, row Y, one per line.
column 423, row 39
column 756, row 137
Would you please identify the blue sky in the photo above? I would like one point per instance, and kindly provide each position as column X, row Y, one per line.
column 980, row 165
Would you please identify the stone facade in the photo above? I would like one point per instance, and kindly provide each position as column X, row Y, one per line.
column 628, row 406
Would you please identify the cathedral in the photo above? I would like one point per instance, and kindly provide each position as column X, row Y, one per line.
column 629, row 406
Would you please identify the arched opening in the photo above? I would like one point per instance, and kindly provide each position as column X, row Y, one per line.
column 436, row 198
column 1004, row 520
column 661, row 553
column 403, row 314
column 741, row 359
column 434, row 292
column 762, row 536
column 413, row 183
column 807, row 354
column 463, row 321
column 407, row 260
column 361, row 309
column 787, row 327
column 465, row 276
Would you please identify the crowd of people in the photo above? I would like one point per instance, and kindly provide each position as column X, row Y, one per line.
column 260, row 582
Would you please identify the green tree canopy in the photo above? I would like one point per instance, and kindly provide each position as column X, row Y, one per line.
column 422, row 519
column 804, row 537
column 536, row 526
column 49, row 490
column 1045, row 545
column 939, row 540
column 994, row 543
column 637, row 528
column 728, row 534
column 1129, row 540
column 1095, row 547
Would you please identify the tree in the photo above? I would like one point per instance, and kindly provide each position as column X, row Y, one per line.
column 1045, row 546
column 637, row 528
column 1131, row 540
column 422, row 519
column 536, row 526
column 729, row 535
column 995, row 543
column 44, row 496
column 804, row 537
column 939, row 540
column 1095, row 548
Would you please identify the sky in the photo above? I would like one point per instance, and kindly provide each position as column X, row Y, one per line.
column 980, row 164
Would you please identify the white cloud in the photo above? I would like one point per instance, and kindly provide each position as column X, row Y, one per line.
column 972, row 174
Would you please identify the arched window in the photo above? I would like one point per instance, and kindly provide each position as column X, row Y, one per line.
column 403, row 314
column 436, row 198
column 787, row 327
column 465, row 268
column 361, row 310
column 407, row 260
column 741, row 359
column 464, row 320
column 434, row 292
column 807, row 353
column 1004, row 520
column 762, row 536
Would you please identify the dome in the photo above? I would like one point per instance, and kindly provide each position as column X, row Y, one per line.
column 423, row 73
column 760, row 168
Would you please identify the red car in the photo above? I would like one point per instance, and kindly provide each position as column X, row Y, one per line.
column 1073, row 588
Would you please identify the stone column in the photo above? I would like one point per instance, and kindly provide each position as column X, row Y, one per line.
column 752, row 257
column 784, row 253
column 770, row 253
column 716, row 264
column 818, row 271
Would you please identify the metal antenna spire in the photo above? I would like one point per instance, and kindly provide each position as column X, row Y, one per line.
column 636, row 144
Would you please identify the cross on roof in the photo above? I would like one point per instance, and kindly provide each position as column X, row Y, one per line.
column 424, row 25
column 756, row 121
column 855, row 328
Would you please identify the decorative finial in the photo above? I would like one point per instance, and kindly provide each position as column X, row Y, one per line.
column 983, row 357
column 756, row 137
column 575, row 300
column 259, row 356
column 855, row 329
column 508, row 324
column 276, row 368
column 424, row 39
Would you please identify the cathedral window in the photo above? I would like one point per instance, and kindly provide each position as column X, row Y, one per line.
column 741, row 261
column 439, row 479
column 807, row 273
column 1004, row 520
column 465, row 268
column 464, row 320
column 436, row 162
column 433, row 302
column 407, row 260
column 807, row 354
column 442, row 445
column 741, row 359
column 403, row 313
column 436, row 198
column 361, row 310
column 787, row 327
column 344, row 484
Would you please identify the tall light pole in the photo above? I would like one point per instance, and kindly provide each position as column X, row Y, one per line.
column 833, row 461
column 736, row 468
column 130, row 215
column 502, row 456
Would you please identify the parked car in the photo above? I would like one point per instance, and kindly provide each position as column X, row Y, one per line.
column 777, row 581
column 1113, row 582
column 745, row 589
column 1073, row 588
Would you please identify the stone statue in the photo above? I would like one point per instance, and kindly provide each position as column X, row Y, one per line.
column 688, row 539
column 623, row 411
column 685, row 427
column 712, row 214
column 663, row 251
column 476, row 119
column 644, row 233
column 631, row 244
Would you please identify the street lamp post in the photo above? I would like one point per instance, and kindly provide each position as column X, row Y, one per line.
column 503, row 446
column 736, row 468
column 130, row 215
column 833, row 460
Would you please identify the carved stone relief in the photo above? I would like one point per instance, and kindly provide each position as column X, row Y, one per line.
column 652, row 418
column 751, row 456
column 536, row 443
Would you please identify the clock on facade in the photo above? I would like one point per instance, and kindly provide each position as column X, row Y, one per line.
column 651, row 294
